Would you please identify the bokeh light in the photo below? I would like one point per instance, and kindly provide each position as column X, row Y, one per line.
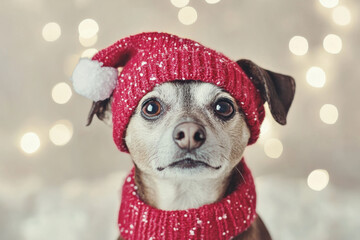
column 61, row 93
column 51, row 32
column 89, row 53
column 341, row 15
column 88, row 28
column 30, row 142
column 316, row 77
column 273, row 148
column 179, row 3
column 187, row 15
column 61, row 132
column 332, row 43
column 298, row 45
column 329, row 3
column 318, row 179
column 329, row 114
column 212, row 1
column 88, row 42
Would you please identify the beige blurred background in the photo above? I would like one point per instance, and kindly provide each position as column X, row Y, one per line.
column 62, row 180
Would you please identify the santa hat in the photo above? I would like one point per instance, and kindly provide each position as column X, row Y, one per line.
column 150, row 59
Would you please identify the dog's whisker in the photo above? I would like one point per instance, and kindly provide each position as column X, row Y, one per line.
column 240, row 174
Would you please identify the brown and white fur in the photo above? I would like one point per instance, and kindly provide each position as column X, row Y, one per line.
column 177, row 173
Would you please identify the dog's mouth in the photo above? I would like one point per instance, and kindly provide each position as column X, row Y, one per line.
column 189, row 163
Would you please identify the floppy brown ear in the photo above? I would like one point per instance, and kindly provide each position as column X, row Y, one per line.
column 102, row 109
column 275, row 88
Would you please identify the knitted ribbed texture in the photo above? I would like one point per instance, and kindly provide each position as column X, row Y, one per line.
column 150, row 59
column 222, row 220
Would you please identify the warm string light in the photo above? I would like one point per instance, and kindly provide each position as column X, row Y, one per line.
column 88, row 28
column 329, row 114
column 341, row 16
column 298, row 45
column 316, row 77
column 273, row 148
column 318, row 179
column 187, row 15
column 61, row 132
column 332, row 44
column 30, row 142
column 61, row 93
column 51, row 32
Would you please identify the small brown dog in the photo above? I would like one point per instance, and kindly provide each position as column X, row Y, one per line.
column 185, row 113
column 192, row 181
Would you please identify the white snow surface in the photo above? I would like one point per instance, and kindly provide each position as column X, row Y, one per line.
column 92, row 80
column 80, row 209
column 292, row 211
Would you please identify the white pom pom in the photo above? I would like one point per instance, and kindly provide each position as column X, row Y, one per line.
column 93, row 81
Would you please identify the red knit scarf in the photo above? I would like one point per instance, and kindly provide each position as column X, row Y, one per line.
column 221, row 220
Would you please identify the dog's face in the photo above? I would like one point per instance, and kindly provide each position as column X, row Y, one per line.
column 187, row 130
column 193, row 129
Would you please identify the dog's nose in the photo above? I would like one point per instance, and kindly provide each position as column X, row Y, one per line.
column 189, row 135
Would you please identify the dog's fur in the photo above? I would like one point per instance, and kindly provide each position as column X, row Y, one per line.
column 153, row 149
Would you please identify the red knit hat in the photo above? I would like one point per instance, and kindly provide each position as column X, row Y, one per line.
column 150, row 59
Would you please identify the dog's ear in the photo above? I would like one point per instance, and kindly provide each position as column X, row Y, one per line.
column 102, row 109
column 275, row 88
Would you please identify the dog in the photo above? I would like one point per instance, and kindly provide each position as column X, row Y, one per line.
column 187, row 138
column 185, row 113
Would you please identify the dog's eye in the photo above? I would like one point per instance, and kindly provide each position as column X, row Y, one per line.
column 151, row 108
column 224, row 109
